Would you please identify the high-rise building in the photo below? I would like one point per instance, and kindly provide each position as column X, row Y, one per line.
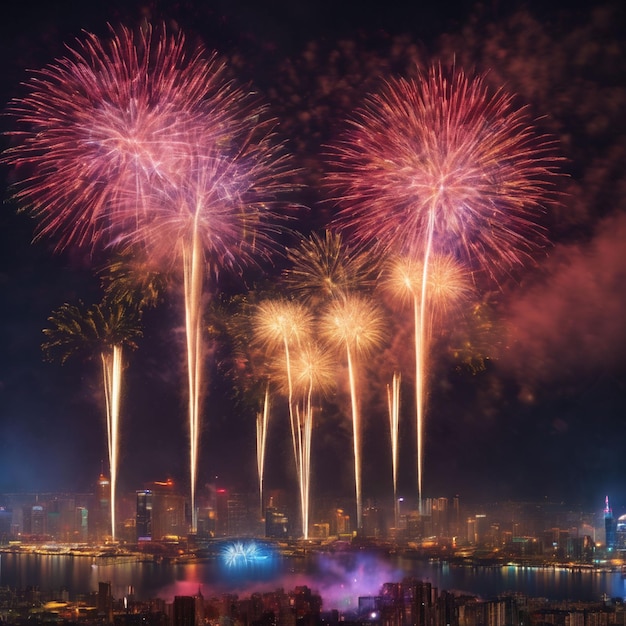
column 160, row 512
column 373, row 522
column 610, row 526
column 34, row 520
column 143, row 522
column 102, row 508
column 221, row 513
column 276, row 524
column 439, row 515
column 105, row 602
column 184, row 611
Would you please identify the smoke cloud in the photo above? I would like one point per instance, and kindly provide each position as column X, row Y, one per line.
column 573, row 321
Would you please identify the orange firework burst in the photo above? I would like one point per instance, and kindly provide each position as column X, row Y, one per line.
column 447, row 281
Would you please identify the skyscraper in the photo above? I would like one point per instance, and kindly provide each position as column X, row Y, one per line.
column 610, row 526
column 160, row 512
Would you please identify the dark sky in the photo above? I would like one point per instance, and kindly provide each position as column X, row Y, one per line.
column 545, row 418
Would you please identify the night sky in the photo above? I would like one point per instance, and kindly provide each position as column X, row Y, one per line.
column 543, row 415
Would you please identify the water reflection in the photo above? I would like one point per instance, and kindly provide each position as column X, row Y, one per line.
column 340, row 579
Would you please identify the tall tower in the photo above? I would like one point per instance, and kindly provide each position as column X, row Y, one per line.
column 610, row 526
column 103, row 507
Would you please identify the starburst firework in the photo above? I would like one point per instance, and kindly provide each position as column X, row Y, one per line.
column 440, row 162
column 284, row 328
column 325, row 268
column 100, row 128
column 312, row 371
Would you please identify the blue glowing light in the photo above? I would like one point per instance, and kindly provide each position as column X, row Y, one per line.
column 242, row 553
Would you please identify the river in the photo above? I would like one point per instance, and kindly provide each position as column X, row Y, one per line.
column 339, row 578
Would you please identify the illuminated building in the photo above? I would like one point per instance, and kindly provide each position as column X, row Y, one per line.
column 235, row 515
column 160, row 512
column 342, row 523
column 102, row 517
column 34, row 520
column 320, row 531
column 238, row 516
column 276, row 524
column 439, row 516
column 221, row 513
column 61, row 518
column 620, row 534
column 6, row 521
column 420, row 601
column 143, row 522
column 610, row 526
column 373, row 522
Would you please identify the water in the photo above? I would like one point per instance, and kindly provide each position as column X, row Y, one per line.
column 340, row 579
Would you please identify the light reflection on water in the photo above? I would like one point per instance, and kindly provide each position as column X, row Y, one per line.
column 340, row 579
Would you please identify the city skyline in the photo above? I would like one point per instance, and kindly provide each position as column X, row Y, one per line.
column 538, row 411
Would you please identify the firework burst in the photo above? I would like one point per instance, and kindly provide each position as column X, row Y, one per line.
column 325, row 268
column 438, row 162
column 100, row 128
column 141, row 140
column 438, row 166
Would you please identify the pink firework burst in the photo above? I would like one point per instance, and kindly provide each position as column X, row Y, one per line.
column 136, row 140
column 439, row 163
column 115, row 120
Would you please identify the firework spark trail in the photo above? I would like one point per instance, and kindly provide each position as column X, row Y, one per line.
column 431, row 286
column 438, row 166
column 312, row 372
column 286, row 326
column 217, row 218
column 262, row 420
column 393, row 403
column 355, row 324
column 192, row 272
column 112, row 379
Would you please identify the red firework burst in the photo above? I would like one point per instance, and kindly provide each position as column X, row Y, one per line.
column 439, row 164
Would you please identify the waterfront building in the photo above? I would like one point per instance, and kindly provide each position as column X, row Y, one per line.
column 102, row 509
column 276, row 524
column 34, row 521
column 610, row 526
column 160, row 512
column 6, row 524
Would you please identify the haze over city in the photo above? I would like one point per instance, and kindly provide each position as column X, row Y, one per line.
column 525, row 398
